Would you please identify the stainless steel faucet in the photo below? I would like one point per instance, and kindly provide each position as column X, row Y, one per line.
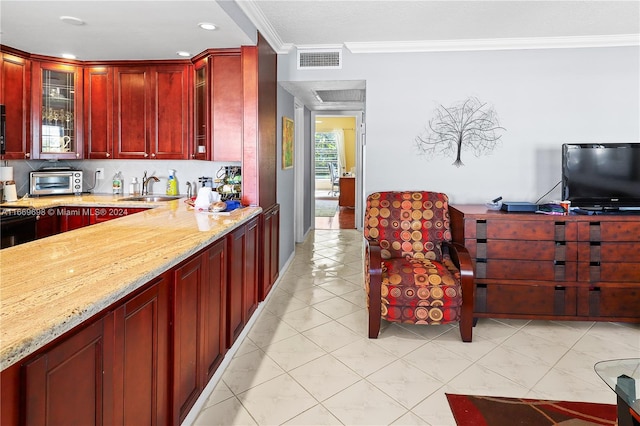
column 145, row 183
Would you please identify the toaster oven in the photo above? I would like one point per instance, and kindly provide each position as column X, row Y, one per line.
column 55, row 182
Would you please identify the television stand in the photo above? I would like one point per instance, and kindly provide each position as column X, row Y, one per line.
column 548, row 267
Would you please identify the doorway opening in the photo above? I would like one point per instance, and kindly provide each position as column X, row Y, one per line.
column 335, row 140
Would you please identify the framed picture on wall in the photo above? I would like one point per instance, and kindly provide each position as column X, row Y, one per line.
column 287, row 143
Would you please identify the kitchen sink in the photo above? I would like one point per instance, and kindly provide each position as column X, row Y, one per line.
column 150, row 198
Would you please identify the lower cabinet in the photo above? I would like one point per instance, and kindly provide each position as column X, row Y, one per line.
column 140, row 393
column 198, row 331
column 66, row 385
column 242, row 296
column 270, row 250
column 146, row 359
column 113, row 371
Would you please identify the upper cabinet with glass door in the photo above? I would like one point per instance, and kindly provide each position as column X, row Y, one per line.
column 57, row 111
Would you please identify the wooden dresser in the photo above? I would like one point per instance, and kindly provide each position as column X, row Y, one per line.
column 536, row 266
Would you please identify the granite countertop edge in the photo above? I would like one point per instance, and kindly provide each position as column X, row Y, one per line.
column 21, row 347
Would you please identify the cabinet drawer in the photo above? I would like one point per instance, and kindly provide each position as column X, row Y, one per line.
column 525, row 299
column 517, row 230
column 518, row 250
column 609, row 272
column 526, row 270
column 617, row 301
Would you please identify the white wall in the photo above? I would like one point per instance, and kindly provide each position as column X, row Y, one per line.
column 543, row 98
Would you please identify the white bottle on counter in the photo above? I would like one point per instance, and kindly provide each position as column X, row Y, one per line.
column 134, row 187
column 117, row 184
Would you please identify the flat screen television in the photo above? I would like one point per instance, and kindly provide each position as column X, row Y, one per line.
column 601, row 176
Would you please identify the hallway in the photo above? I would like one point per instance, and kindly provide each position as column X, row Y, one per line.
column 344, row 217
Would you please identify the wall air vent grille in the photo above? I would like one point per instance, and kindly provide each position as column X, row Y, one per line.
column 319, row 59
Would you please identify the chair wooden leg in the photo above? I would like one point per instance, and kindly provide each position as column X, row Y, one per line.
column 466, row 323
column 375, row 309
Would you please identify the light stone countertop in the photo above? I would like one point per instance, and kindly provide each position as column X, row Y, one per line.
column 51, row 285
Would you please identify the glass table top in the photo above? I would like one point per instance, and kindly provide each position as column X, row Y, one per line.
column 623, row 376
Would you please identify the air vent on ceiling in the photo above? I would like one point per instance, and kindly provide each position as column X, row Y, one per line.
column 349, row 95
column 319, row 59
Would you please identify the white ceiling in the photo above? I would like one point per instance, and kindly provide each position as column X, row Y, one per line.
column 156, row 29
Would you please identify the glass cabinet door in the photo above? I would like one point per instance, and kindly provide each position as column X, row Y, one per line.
column 59, row 127
column 201, row 112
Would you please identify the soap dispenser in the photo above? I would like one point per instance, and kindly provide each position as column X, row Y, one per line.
column 172, row 183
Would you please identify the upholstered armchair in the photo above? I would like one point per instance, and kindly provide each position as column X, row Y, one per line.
column 413, row 272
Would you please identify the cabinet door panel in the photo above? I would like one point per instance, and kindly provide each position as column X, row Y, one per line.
column 171, row 120
column 214, row 309
column 235, row 291
column 528, row 300
column 227, row 108
column 131, row 111
column 15, row 96
column 64, row 385
column 186, row 359
column 98, row 112
column 142, row 330
column 251, row 274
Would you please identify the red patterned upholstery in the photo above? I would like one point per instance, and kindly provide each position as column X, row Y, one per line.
column 413, row 272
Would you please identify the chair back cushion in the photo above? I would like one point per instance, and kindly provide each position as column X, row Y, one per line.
column 408, row 223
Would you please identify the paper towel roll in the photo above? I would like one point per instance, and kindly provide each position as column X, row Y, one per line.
column 10, row 193
column 6, row 173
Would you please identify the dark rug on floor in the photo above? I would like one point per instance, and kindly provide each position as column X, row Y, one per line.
column 326, row 208
column 475, row 410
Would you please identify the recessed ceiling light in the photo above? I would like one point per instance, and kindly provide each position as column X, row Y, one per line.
column 207, row 26
column 184, row 54
column 71, row 20
column 68, row 56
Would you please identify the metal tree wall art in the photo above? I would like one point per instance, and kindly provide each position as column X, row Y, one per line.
column 471, row 125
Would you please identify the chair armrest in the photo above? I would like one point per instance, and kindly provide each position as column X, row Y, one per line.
column 460, row 257
column 373, row 284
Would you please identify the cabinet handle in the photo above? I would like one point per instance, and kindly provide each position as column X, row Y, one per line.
column 108, row 155
column 77, row 155
column 27, row 155
column 146, row 155
column 153, row 155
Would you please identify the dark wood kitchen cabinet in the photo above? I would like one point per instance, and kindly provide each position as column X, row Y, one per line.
column 98, row 112
column 140, row 328
column 113, row 371
column 218, row 105
column 47, row 224
column 199, row 342
column 151, row 112
column 242, row 292
column 270, row 250
column 259, row 159
column 56, row 110
column 15, row 95
column 67, row 384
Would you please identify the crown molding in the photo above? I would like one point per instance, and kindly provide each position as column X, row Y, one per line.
column 263, row 25
column 621, row 40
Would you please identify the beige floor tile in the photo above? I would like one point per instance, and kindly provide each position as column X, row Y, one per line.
column 227, row 413
column 293, row 351
column 364, row 357
column 405, row 383
column 250, row 370
column 331, row 336
column 276, row 401
column 305, row 318
column 314, row 416
column 364, row 404
column 324, row 377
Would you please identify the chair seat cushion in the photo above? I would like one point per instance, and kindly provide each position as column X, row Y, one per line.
column 420, row 291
